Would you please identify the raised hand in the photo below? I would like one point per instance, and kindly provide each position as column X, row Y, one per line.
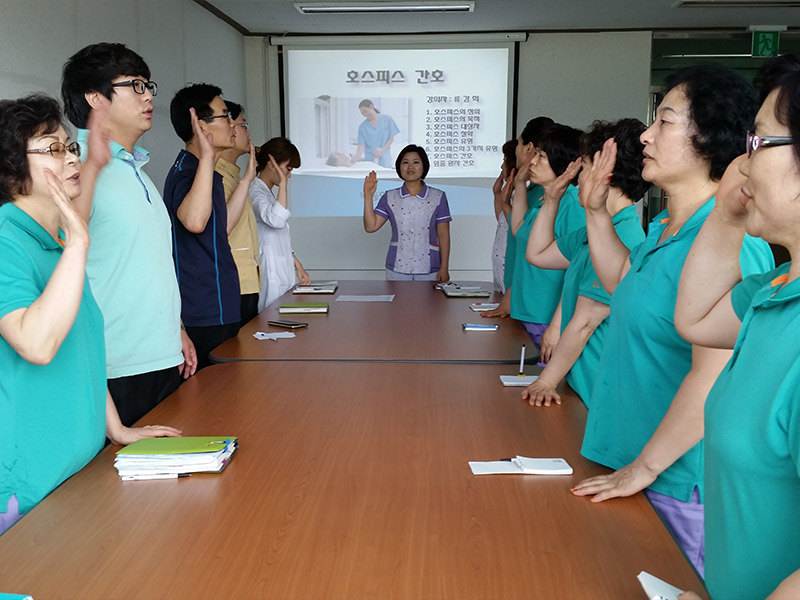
column 595, row 185
column 204, row 140
column 730, row 198
column 282, row 171
column 370, row 184
column 252, row 164
column 556, row 189
column 99, row 150
column 73, row 225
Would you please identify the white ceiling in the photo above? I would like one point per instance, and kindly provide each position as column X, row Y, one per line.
column 277, row 17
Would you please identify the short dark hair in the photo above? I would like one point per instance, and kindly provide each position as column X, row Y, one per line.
column 20, row 120
column 510, row 155
column 627, row 174
column 234, row 108
column 368, row 103
column 197, row 96
column 426, row 163
column 722, row 106
column 281, row 149
column 783, row 73
column 560, row 143
column 92, row 70
column 534, row 129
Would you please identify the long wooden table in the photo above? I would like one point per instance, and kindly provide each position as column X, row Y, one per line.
column 351, row 481
column 420, row 324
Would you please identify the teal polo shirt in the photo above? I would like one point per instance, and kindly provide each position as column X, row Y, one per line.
column 53, row 416
column 644, row 360
column 130, row 267
column 535, row 292
column 581, row 279
column 752, row 445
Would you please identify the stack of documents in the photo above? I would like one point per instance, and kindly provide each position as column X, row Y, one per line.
column 316, row 287
column 303, row 307
column 153, row 458
column 522, row 465
column 457, row 290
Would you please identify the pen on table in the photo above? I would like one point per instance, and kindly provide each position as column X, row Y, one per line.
column 154, row 476
column 522, row 362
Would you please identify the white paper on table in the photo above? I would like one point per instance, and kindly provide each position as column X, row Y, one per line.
column 658, row 589
column 274, row 336
column 365, row 298
column 522, row 465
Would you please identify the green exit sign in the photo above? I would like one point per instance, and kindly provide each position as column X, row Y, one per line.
column 765, row 43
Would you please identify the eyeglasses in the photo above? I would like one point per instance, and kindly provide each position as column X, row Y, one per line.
column 139, row 86
column 225, row 115
column 754, row 142
column 243, row 126
column 57, row 149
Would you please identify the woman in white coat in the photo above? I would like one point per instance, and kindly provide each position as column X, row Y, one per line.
column 280, row 268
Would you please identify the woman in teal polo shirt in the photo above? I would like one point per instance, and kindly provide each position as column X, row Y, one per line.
column 646, row 417
column 752, row 417
column 53, row 397
column 584, row 302
column 535, row 292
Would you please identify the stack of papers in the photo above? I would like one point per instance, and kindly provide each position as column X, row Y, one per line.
column 484, row 306
column 318, row 287
column 522, row 465
column 456, row 290
column 303, row 307
column 153, row 458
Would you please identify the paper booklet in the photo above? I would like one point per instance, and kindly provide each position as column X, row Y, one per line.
column 522, row 465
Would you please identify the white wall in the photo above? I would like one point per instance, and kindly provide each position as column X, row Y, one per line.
column 574, row 78
column 179, row 40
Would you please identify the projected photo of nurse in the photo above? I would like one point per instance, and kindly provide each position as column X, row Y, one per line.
column 375, row 135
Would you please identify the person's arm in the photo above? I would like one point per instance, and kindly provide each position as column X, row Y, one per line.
column 679, row 430
column 36, row 332
column 378, row 152
column 520, row 206
column 189, row 365
column 239, row 196
column 550, row 336
column 372, row 221
column 503, row 309
column 267, row 210
column 703, row 310
column 588, row 316
column 542, row 248
column 302, row 276
column 502, row 189
column 610, row 257
column 97, row 156
column 789, row 588
column 195, row 209
column 359, row 153
column 443, row 232
column 122, row 436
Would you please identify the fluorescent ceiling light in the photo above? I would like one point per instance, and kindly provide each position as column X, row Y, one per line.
column 376, row 6
column 737, row 4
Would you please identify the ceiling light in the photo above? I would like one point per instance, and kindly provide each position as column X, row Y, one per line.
column 376, row 6
column 736, row 4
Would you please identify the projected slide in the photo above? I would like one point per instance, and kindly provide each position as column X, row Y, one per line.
column 357, row 108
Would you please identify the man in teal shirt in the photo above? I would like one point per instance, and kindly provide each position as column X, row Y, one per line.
column 130, row 265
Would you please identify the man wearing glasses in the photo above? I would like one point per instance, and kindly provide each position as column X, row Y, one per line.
column 130, row 266
column 201, row 220
column 244, row 237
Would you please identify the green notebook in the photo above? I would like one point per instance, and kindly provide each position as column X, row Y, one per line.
column 177, row 445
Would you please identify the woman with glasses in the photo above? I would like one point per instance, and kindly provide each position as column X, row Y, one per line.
column 53, row 397
column 646, row 415
column 752, row 415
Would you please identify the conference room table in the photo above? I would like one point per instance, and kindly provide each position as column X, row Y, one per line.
column 351, row 481
column 419, row 324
